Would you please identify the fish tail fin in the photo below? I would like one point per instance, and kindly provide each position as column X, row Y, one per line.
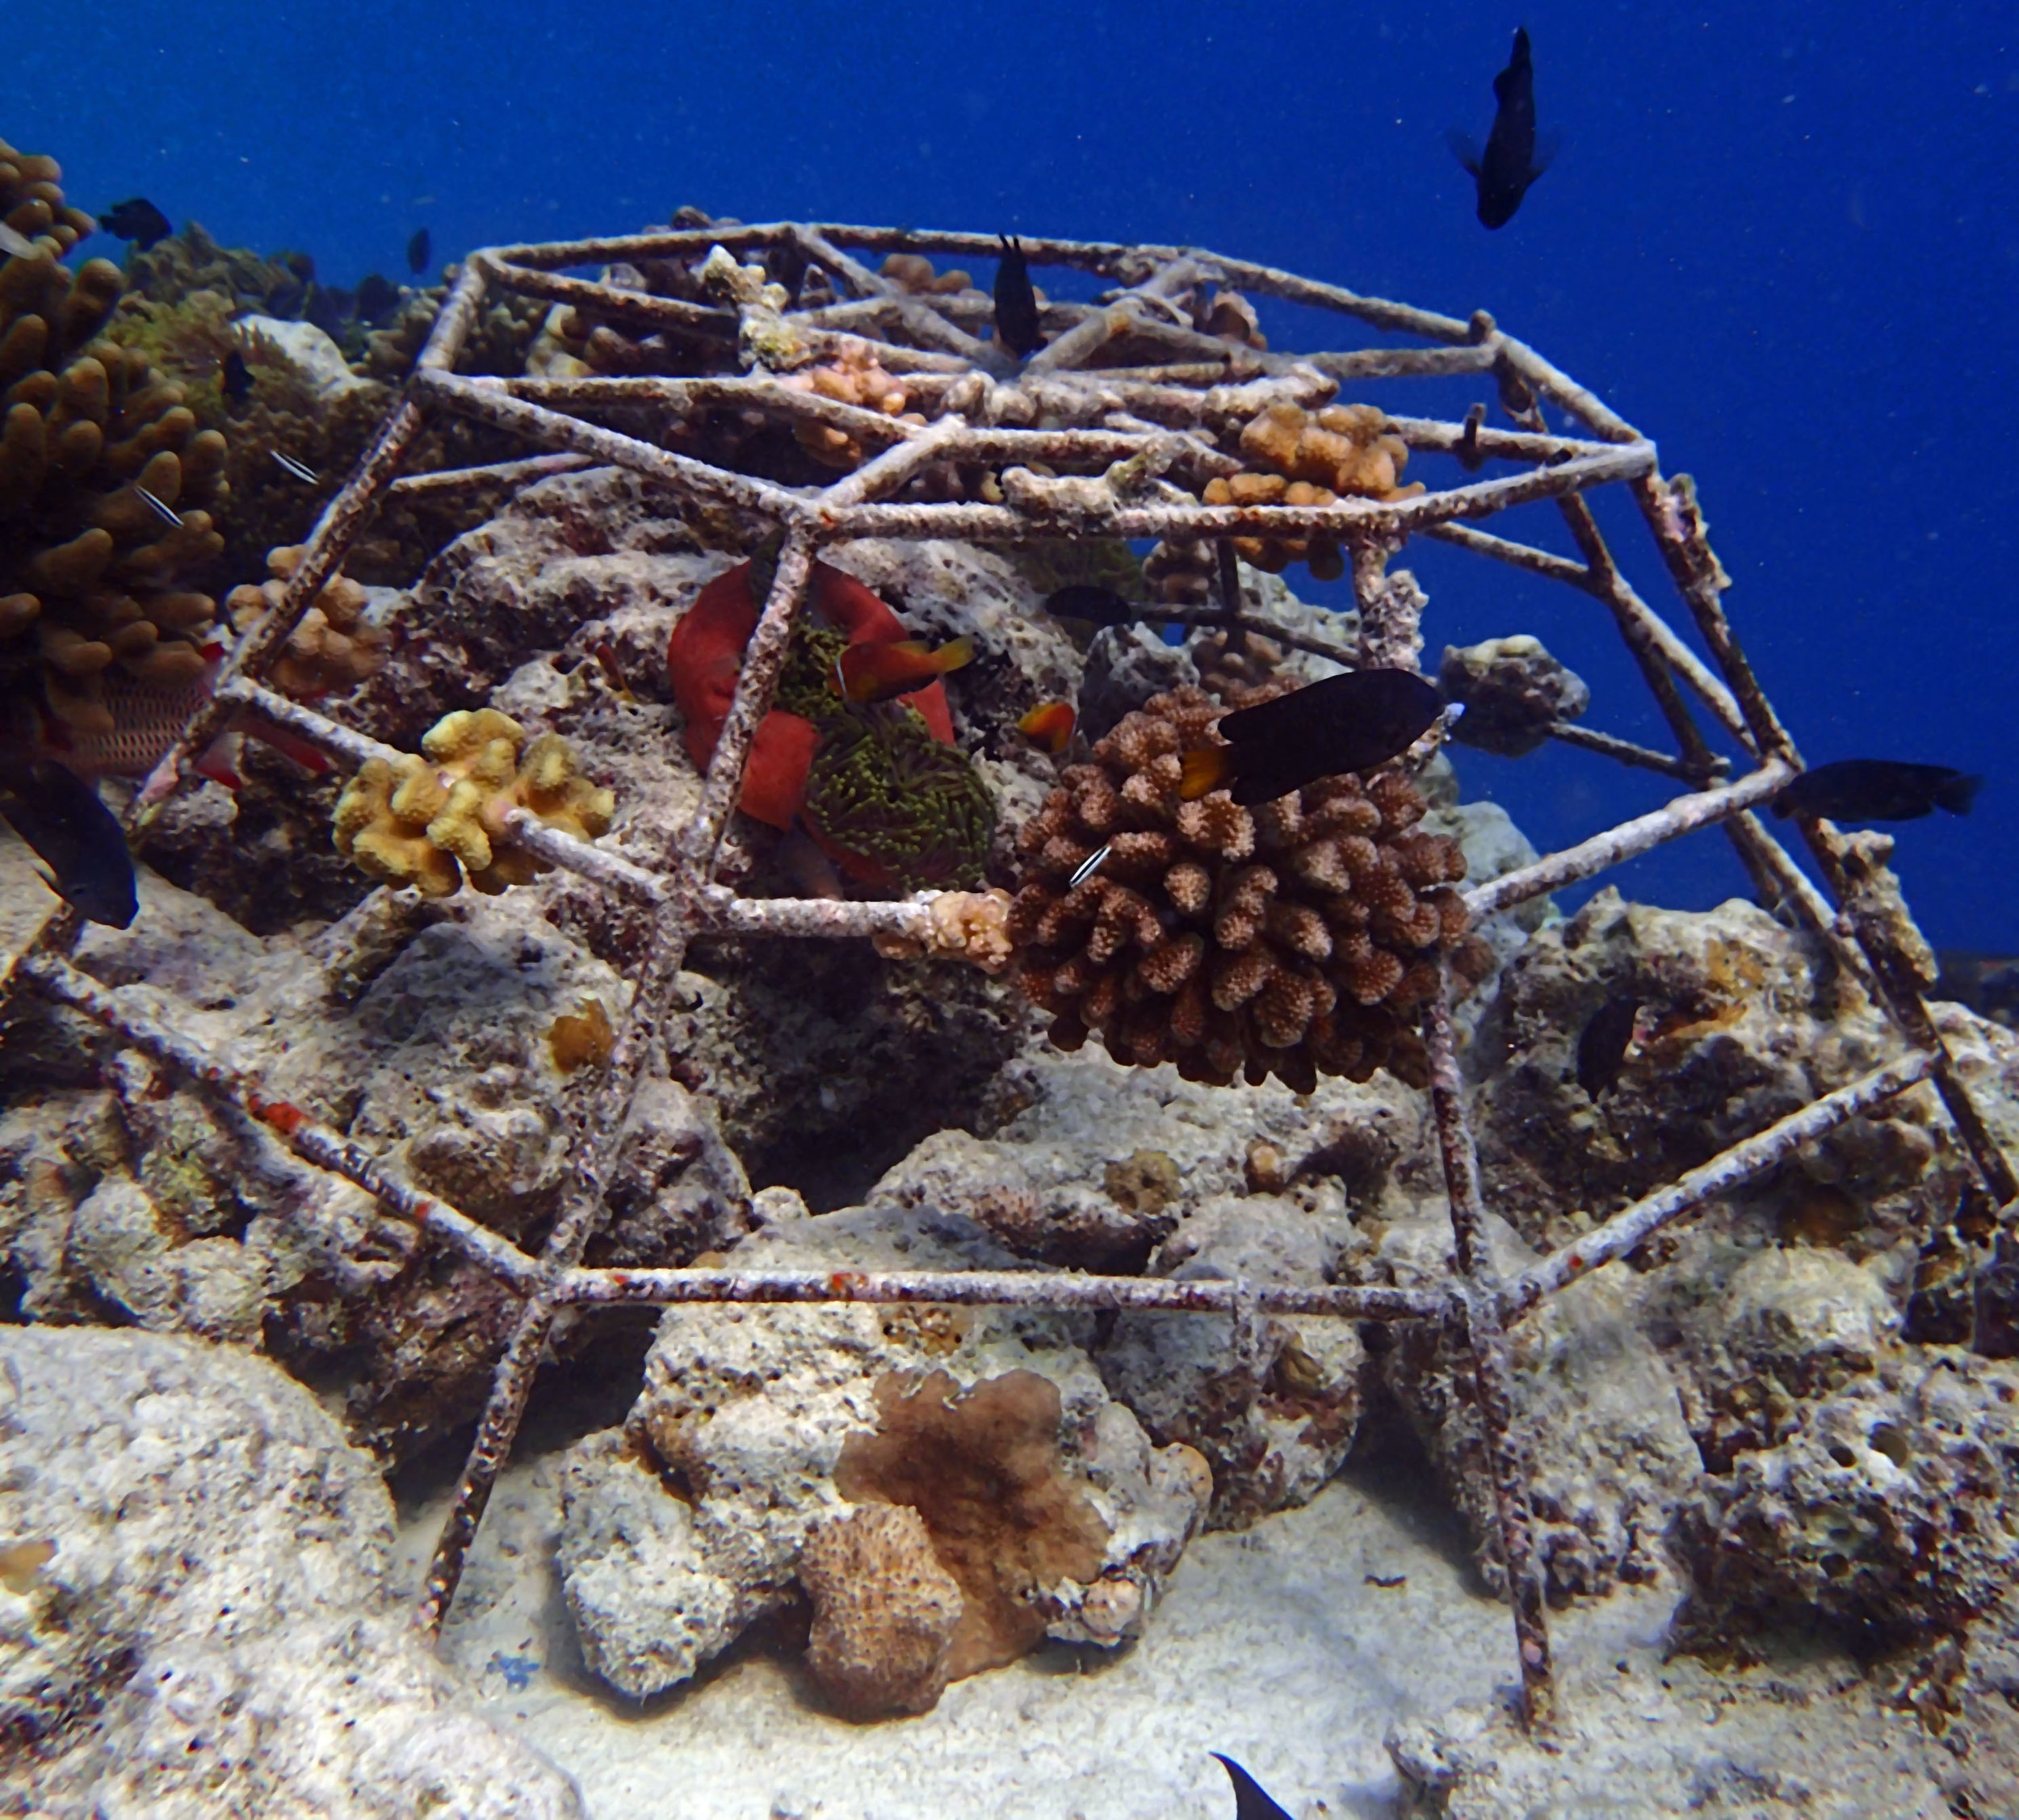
column 953, row 655
column 1203, row 770
column 1465, row 148
column 1956, row 795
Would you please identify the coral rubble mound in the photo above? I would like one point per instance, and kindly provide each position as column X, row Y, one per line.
column 1292, row 939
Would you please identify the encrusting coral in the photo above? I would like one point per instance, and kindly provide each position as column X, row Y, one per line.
column 430, row 822
column 1513, row 692
column 1295, row 939
column 332, row 649
column 1304, row 458
column 92, row 586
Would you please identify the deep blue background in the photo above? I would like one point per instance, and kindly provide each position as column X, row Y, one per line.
column 1782, row 239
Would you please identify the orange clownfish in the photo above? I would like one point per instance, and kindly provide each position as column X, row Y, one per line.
column 1049, row 725
column 876, row 672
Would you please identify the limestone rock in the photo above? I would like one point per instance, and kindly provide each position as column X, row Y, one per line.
column 213, row 1631
column 1273, row 1404
column 1612, row 1456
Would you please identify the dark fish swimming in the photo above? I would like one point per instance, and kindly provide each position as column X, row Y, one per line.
column 84, row 855
column 1097, row 607
column 1251, row 1801
column 1876, row 789
column 1349, row 723
column 136, row 219
column 420, row 252
column 376, row 299
column 1016, row 303
column 234, row 378
column 1601, row 1050
column 1511, row 162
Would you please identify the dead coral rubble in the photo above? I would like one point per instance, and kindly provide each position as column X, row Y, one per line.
column 1293, row 939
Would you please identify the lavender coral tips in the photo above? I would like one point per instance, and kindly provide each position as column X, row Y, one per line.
column 1296, row 939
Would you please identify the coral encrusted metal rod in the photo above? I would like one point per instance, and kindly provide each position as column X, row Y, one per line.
column 1492, row 1362
column 453, row 481
column 490, row 403
column 316, row 1143
column 1628, row 841
column 1000, row 1288
column 1728, row 1170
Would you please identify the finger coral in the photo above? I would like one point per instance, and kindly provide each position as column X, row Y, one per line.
column 430, row 822
column 32, row 201
column 92, row 571
column 1306, row 458
column 333, row 649
column 1295, row 939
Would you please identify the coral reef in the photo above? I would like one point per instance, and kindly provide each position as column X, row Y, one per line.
column 1293, row 939
column 94, row 593
column 1513, row 692
column 1304, row 458
column 32, row 201
column 333, row 649
column 435, row 822
column 855, row 377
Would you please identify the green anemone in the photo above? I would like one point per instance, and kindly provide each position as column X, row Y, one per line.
column 882, row 787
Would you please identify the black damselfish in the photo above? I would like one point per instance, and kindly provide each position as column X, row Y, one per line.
column 1349, row 723
column 1876, row 789
column 235, row 379
column 1251, row 1801
column 1097, row 607
column 1601, row 1050
column 78, row 839
column 420, row 252
column 136, row 219
column 1016, row 303
column 1511, row 162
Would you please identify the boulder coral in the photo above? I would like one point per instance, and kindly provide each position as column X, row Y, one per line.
column 1296, row 939
column 431, row 823
column 94, row 579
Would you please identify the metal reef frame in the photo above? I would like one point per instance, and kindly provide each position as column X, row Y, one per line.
column 1117, row 432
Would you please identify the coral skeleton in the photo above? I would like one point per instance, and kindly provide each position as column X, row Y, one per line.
column 1135, row 421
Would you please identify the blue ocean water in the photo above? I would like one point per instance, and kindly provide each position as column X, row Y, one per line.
column 1782, row 239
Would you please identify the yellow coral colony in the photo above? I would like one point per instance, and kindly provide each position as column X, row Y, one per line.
column 430, row 822
column 333, row 648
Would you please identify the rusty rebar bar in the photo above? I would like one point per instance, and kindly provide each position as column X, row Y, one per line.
column 1508, row 1462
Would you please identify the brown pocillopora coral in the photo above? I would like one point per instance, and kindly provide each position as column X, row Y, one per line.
column 1295, row 939
column 333, row 647
column 91, row 595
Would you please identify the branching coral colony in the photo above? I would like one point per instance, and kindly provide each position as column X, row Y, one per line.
column 728, row 355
